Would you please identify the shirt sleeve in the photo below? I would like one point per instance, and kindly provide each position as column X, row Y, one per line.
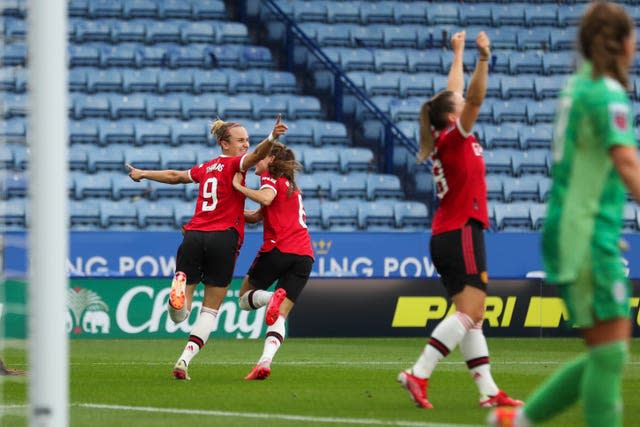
column 195, row 173
column 615, row 120
column 267, row 182
column 241, row 164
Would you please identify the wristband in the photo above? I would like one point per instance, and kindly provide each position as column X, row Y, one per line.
column 270, row 138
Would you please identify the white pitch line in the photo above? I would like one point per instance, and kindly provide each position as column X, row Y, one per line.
column 265, row 416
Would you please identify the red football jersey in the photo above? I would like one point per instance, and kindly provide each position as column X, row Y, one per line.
column 219, row 206
column 284, row 219
column 458, row 173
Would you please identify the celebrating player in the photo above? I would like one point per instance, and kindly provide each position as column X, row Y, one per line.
column 286, row 254
column 457, row 242
column 213, row 236
column 594, row 157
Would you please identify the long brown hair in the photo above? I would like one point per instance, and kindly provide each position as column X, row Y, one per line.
column 603, row 30
column 220, row 129
column 434, row 113
column 284, row 164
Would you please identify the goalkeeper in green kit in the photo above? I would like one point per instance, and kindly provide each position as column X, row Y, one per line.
column 594, row 159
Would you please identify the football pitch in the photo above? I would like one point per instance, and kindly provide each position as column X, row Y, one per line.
column 314, row 382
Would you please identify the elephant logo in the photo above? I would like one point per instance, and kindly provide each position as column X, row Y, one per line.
column 87, row 312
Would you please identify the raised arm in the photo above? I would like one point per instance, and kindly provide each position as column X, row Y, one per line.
column 263, row 196
column 477, row 85
column 264, row 148
column 455, row 81
column 165, row 176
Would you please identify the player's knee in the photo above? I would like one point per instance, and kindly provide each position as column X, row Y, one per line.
column 611, row 356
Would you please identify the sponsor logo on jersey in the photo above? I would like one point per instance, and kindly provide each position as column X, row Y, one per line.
column 619, row 113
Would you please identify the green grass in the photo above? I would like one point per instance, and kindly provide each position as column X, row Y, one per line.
column 340, row 379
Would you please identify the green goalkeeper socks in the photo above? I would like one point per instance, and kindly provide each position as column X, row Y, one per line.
column 601, row 385
column 594, row 377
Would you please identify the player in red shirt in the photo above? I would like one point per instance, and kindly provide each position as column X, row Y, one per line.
column 457, row 243
column 213, row 236
column 286, row 254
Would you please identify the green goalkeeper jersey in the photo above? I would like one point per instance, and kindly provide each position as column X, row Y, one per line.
column 584, row 215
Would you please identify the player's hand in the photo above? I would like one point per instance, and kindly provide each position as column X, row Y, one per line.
column 237, row 180
column 457, row 41
column 422, row 156
column 134, row 174
column 279, row 128
column 483, row 43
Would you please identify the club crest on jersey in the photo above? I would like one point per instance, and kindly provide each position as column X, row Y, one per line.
column 215, row 167
column 618, row 113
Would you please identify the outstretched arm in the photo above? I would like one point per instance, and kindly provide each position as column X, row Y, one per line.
column 164, row 176
column 264, row 148
column 477, row 85
column 455, row 81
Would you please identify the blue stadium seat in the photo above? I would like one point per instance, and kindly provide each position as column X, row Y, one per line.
column 231, row 32
column 13, row 105
column 514, row 110
column 538, row 212
column 210, row 80
column 304, row 107
column 118, row 216
column 142, row 80
column 348, row 12
column 423, row 185
column 406, row 109
column 194, row 55
column 92, row 31
column 246, row 81
column 307, row 11
column 518, row 86
column 182, row 212
column 124, row 187
column 179, row 158
column 128, row 31
column 542, row 111
column 367, row 36
column 258, row 130
column 152, row 133
column 77, row 159
column 548, row 87
column 333, row 54
column 155, row 215
column 7, row 158
column 340, row 216
column 252, row 181
column 495, row 188
column 161, row 191
column 13, row 216
column 175, row 81
column 78, row 8
column 499, row 161
column 109, row 80
column 278, row 82
column 328, row 133
column 537, row 38
column 351, row 186
column 541, row 15
column 332, row 35
column 315, row 186
column 79, row 56
column 197, row 32
column 80, row 132
column 356, row 159
column 132, row 9
column 86, row 106
column 502, row 136
column 500, row 61
column 174, row 9
column 384, row 187
column 409, row 129
column 14, row 184
column 13, row 55
column 232, row 106
column 532, row 161
column 426, row 61
column 563, row 38
column 212, row 9
column 192, row 132
column 145, row 157
column 112, row 132
column 569, row 15
column 513, row 216
column 99, row 9
column 382, row 83
column 206, row 106
column 417, row 84
column 101, row 159
column 205, row 154
column 256, row 57
column 524, row 188
column 128, row 106
column 321, row 159
column 93, row 185
column 164, row 106
column 376, row 12
column 357, row 59
column 411, row 216
column 405, row 36
column 8, row 79
column 538, row 136
column 84, row 213
column 443, row 13
column 472, row 14
column 376, row 216
column 153, row 56
column 410, row 12
column 544, row 188
column 299, row 132
column 363, row 114
column 313, row 215
column 558, row 63
column 508, row 14
column 525, row 62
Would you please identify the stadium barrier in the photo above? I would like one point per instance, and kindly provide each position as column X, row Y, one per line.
column 135, row 308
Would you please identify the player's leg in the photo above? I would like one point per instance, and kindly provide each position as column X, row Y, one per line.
column 291, row 283
column 253, row 292
column 187, row 276
column 9, row 371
